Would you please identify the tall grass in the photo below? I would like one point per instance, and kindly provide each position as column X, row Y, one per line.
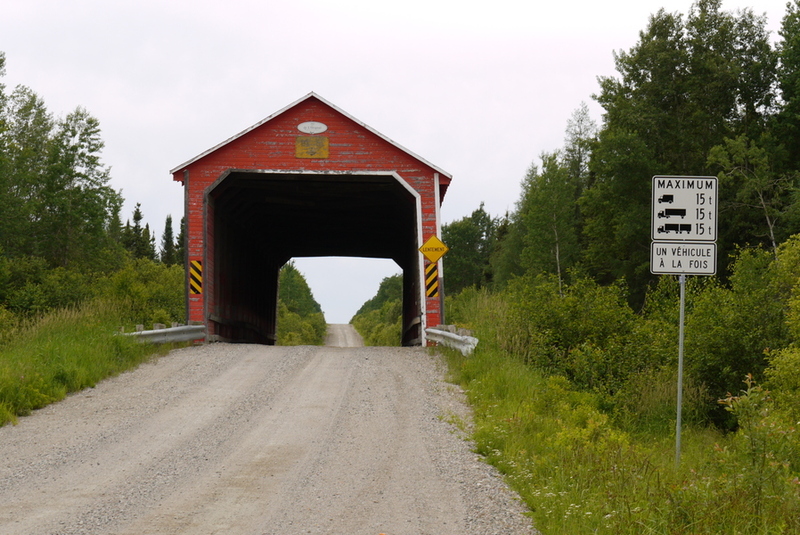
column 62, row 352
column 582, row 469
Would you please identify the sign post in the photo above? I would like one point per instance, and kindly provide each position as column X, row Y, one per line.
column 684, row 233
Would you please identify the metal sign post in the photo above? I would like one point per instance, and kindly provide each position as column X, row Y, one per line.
column 684, row 232
column 680, row 372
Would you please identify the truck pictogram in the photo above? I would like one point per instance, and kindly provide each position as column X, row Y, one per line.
column 666, row 199
column 675, row 227
column 672, row 212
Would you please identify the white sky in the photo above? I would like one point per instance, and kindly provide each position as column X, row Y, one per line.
column 479, row 89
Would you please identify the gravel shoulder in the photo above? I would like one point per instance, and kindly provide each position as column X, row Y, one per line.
column 249, row 439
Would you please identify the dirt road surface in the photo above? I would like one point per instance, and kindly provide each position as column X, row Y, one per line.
column 250, row 439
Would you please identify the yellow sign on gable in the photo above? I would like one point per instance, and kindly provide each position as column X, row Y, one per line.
column 434, row 249
column 311, row 147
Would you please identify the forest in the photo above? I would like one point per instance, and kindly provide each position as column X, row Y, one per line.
column 574, row 381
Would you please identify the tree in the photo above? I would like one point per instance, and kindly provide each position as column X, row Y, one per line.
column 390, row 289
column 54, row 195
column 180, row 243
column 788, row 119
column 295, row 293
column 581, row 134
column 75, row 201
column 137, row 240
column 762, row 196
column 548, row 211
column 169, row 255
column 470, row 240
column 543, row 235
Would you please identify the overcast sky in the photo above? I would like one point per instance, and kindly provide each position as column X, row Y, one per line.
column 479, row 89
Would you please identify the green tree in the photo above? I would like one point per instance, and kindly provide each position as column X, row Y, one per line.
column 25, row 127
column 787, row 127
column 180, row 243
column 75, row 203
column 300, row 318
column 507, row 251
column 543, row 234
column 54, row 196
column 137, row 239
column 761, row 198
column 390, row 289
column 169, row 254
column 295, row 292
column 379, row 321
column 548, row 213
column 470, row 240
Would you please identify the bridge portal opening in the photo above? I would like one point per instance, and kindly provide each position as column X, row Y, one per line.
column 262, row 219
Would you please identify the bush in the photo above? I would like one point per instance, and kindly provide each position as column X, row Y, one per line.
column 153, row 292
column 294, row 329
column 381, row 327
column 730, row 331
column 579, row 331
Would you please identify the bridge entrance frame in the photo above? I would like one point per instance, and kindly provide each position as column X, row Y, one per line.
column 310, row 180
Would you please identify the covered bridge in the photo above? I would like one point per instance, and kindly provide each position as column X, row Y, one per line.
column 310, row 180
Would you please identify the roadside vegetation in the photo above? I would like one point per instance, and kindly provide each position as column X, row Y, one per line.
column 574, row 398
column 379, row 321
column 300, row 318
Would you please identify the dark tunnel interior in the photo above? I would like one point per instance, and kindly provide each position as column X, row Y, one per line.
column 263, row 219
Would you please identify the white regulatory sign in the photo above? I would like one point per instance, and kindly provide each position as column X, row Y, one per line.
column 684, row 208
column 687, row 258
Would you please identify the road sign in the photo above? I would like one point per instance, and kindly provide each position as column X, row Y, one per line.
column 684, row 225
column 433, row 249
column 684, row 208
column 687, row 258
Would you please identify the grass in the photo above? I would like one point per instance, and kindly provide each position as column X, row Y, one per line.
column 64, row 352
column 580, row 472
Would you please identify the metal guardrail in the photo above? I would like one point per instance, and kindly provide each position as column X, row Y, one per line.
column 184, row 333
column 465, row 344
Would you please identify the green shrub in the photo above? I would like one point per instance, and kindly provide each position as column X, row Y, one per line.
column 152, row 291
column 381, row 327
column 294, row 329
column 731, row 330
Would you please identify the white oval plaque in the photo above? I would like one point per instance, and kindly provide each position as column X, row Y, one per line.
column 312, row 127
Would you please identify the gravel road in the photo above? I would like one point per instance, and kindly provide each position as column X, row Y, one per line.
column 250, row 439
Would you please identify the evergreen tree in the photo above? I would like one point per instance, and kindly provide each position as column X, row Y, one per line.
column 180, row 243
column 169, row 254
column 788, row 120
column 137, row 239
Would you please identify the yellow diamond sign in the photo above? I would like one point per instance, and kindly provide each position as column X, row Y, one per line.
column 433, row 249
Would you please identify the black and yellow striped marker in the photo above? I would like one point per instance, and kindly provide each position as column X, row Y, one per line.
column 196, row 277
column 432, row 279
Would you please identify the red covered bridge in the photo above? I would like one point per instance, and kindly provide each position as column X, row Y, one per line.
column 309, row 180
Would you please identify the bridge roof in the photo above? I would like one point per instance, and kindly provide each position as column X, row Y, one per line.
column 443, row 174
